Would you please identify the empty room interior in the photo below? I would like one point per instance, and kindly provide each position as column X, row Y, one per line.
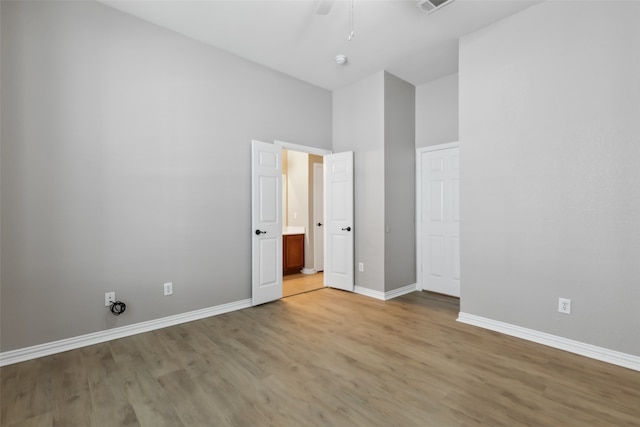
column 451, row 186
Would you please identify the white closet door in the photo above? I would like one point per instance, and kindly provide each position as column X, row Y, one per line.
column 440, row 221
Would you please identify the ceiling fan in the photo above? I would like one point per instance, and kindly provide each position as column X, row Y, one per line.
column 324, row 7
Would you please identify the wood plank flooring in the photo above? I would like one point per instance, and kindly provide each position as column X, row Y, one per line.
column 294, row 284
column 323, row 358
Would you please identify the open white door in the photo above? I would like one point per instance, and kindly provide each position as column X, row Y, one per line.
column 338, row 205
column 266, row 232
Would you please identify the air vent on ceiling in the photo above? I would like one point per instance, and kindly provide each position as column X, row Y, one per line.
column 432, row 5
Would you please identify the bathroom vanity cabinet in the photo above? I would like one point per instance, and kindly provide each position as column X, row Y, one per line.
column 292, row 253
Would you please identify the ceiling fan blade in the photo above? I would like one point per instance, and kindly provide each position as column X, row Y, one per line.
column 324, row 7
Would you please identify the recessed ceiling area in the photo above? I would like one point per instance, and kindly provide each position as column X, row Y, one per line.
column 290, row 37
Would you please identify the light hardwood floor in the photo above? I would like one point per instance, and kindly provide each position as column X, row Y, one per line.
column 324, row 358
column 294, row 284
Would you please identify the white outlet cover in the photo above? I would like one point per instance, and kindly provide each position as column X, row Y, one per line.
column 168, row 288
column 109, row 297
column 564, row 305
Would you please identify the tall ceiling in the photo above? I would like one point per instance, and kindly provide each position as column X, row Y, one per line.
column 290, row 37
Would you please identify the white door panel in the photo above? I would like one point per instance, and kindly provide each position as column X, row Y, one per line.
column 266, row 232
column 339, row 230
column 268, row 273
column 339, row 256
column 440, row 221
column 436, row 248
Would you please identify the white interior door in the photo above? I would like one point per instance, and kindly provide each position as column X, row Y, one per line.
column 318, row 217
column 440, row 221
column 338, row 241
column 266, row 231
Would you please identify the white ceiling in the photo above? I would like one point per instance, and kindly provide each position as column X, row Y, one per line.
column 288, row 35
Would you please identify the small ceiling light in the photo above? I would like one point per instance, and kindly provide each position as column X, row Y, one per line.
column 341, row 59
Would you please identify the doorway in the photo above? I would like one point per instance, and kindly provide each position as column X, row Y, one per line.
column 267, row 219
column 302, row 222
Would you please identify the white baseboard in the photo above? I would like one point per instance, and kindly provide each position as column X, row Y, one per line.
column 400, row 291
column 369, row 292
column 47, row 349
column 384, row 296
column 594, row 352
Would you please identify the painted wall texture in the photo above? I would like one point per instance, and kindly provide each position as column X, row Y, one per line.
column 400, row 183
column 437, row 111
column 550, row 183
column 126, row 164
column 375, row 118
column 358, row 126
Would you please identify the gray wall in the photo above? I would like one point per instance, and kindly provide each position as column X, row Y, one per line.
column 126, row 164
column 375, row 118
column 358, row 125
column 437, row 111
column 0, row 180
column 550, row 148
column 399, row 179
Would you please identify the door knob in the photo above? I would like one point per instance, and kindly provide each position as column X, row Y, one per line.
column 346, row 229
column 319, row 224
column 258, row 232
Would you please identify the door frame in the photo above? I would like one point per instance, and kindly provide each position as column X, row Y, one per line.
column 309, row 150
column 318, row 234
column 419, row 248
column 302, row 148
column 324, row 153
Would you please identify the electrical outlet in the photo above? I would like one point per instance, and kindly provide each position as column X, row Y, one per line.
column 168, row 289
column 564, row 305
column 109, row 298
column 361, row 267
